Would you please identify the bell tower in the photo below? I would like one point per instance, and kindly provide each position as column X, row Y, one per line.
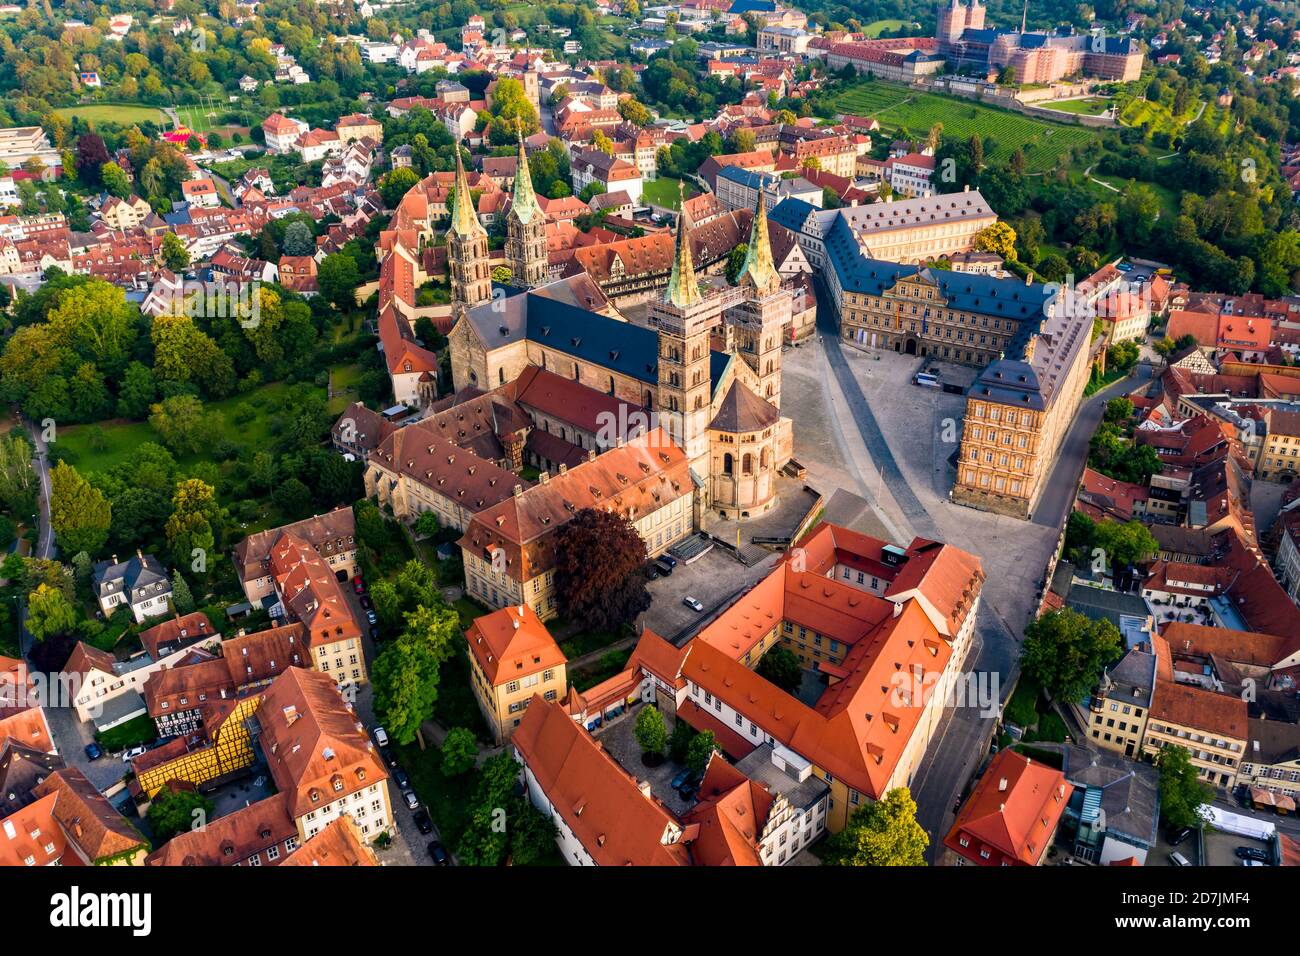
column 525, row 230
column 685, row 317
column 761, row 319
column 467, row 248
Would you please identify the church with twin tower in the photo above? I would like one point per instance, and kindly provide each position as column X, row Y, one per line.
column 706, row 369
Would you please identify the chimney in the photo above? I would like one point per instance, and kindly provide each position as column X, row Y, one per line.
column 519, row 490
column 563, row 468
column 644, row 787
column 1029, row 279
column 1002, row 785
column 544, row 477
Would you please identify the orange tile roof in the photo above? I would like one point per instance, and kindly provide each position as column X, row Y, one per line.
column 232, row 839
column 181, row 628
column 615, row 821
column 28, row 728
column 312, row 741
column 1242, row 647
column 732, row 814
column 311, row 592
column 1012, row 813
column 47, row 848
column 511, row 644
column 1189, row 706
column 339, row 844
column 87, row 819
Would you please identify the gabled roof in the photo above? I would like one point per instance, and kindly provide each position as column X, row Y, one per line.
column 1012, row 813
column 512, row 643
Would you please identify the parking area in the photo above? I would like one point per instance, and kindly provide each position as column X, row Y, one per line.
column 713, row 580
column 1221, row 848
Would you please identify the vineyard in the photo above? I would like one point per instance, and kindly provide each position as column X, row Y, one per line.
column 898, row 108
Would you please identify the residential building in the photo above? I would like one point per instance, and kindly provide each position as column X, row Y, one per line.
column 1121, row 703
column 608, row 173
column 1271, row 763
column 321, row 757
column 332, row 535
column 140, row 583
column 282, row 133
column 1011, row 817
column 1211, row 727
column 70, row 823
column 513, row 660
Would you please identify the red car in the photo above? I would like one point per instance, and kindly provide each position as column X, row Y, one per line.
column 358, row 586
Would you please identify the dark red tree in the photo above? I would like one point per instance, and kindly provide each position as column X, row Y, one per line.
column 600, row 570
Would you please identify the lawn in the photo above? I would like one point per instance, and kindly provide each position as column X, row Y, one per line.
column 456, row 705
column 115, row 113
column 1156, row 116
column 585, row 642
column 663, row 192
column 101, row 446
column 1022, row 708
column 896, row 107
column 874, row 30
column 1088, row 106
column 344, row 381
column 136, row 731
column 609, row 665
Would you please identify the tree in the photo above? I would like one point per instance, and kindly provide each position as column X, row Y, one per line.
column 1118, row 410
column 406, row 674
column 114, row 180
column 459, row 752
column 91, row 155
column 79, row 512
column 173, row 812
column 1181, row 791
column 1123, row 355
column 298, row 239
column 1126, row 542
column 1065, row 652
column 17, row 480
column 650, row 731
column 781, row 667
column 736, row 262
column 49, row 612
column 999, row 239
column 680, row 741
column 880, row 833
column 395, row 185
column 183, row 424
column 600, row 572
column 700, row 752
column 337, row 279
column 182, row 599
column 175, row 256
column 486, row 839
column 427, row 524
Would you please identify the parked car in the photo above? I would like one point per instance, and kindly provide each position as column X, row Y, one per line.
column 663, row 568
column 364, row 601
column 693, row 604
column 402, row 780
column 1177, row 859
column 439, row 854
column 374, row 632
column 381, row 736
column 133, row 753
column 358, row 585
column 681, row 778
column 412, row 801
column 389, row 757
column 689, row 790
column 1252, row 863
column 1252, row 853
column 93, row 751
column 422, row 822
column 1179, row 836
column 372, row 617
column 669, row 560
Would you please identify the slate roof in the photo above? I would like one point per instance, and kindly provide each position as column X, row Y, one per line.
column 743, row 411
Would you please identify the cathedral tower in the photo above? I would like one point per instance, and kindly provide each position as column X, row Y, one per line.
column 467, row 248
column 762, row 318
column 525, row 230
column 685, row 317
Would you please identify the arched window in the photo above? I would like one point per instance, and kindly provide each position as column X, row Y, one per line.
column 762, row 460
column 727, row 466
column 501, row 375
column 747, row 464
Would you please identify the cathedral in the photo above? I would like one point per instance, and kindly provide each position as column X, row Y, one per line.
column 706, row 368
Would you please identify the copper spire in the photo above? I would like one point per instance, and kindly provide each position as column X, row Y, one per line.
column 523, row 205
column 683, row 289
column 464, row 221
column 758, row 269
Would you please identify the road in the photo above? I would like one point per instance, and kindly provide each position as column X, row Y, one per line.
column 45, row 546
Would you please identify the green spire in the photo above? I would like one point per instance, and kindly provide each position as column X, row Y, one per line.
column 524, row 204
column 464, row 220
column 683, row 289
column 758, row 269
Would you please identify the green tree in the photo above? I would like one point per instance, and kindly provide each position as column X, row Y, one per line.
column 79, row 512
column 395, row 185
column 338, row 278
column 182, row 599
column 174, row 254
column 650, row 731
column 406, row 674
column 459, row 752
column 1065, row 652
column 880, row 833
column 700, row 752
column 49, row 612
column 173, row 812
column 183, row 424
column 1181, row 790
column 114, row 179
column 781, row 667
column 1125, row 543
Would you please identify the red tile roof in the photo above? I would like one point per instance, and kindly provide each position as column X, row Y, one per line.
column 1012, row 813
column 511, row 644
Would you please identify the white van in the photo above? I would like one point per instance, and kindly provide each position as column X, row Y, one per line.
column 381, row 736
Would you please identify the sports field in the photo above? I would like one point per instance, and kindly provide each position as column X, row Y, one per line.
column 115, row 113
column 897, row 107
